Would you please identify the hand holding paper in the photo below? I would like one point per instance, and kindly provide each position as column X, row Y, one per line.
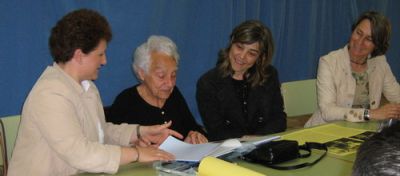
column 156, row 134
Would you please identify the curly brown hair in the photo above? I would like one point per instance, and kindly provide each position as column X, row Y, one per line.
column 249, row 32
column 80, row 29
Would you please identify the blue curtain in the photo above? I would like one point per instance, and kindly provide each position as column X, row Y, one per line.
column 303, row 31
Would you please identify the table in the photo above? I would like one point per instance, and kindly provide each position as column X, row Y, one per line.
column 328, row 166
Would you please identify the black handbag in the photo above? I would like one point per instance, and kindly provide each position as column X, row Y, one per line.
column 275, row 152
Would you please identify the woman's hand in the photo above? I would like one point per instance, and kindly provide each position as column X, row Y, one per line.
column 156, row 134
column 151, row 153
column 144, row 154
column 388, row 111
column 195, row 137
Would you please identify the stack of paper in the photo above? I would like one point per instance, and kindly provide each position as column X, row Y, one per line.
column 195, row 152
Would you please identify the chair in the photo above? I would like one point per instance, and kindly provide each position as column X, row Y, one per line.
column 4, row 162
column 300, row 101
column 9, row 128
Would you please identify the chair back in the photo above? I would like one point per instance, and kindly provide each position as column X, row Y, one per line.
column 10, row 126
column 300, row 97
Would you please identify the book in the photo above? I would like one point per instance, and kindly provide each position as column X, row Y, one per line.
column 195, row 152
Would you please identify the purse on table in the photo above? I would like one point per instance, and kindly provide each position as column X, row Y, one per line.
column 275, row 152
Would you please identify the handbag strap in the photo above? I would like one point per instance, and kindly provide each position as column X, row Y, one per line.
column 307, row 146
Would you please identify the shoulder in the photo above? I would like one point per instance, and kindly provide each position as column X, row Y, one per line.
column 127, row 93
column 211, row 74
column 53, row 86
column 336, row 55
column 273, row 77
column 379, row 60
column 176, row 96
column 130, row 90
column 271, row 70
column 272, row 74
column 213, row 80
column 208, row 77
column 52, row 82
column 176, row 92
column 335, row 61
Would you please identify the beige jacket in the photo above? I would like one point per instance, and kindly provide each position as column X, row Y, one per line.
column 62, row 129
column 336, row 87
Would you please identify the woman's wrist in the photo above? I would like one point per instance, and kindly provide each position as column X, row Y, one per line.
column 374, row 115
column 138, row 135
column 367, row 115
column 137, row 154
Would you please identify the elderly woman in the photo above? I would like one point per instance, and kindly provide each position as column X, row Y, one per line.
column 63, row 130
column 351, row 80
column 241, row 96
column 156, row 99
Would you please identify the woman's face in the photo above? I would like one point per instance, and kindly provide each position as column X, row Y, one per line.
column 361, row 45
column 160, row 79
column 243, row 56
column 93, row 61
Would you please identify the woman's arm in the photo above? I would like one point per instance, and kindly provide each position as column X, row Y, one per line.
column 210, row 110
column 277, row 117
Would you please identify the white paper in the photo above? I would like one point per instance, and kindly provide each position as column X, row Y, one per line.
column 263, row 140
column 187, row 152
column 195, row 152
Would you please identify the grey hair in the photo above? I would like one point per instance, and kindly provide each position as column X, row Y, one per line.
column 379, row 154
column 141, row 58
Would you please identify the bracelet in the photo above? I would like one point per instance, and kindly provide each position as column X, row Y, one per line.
column 366, row 115
column 138, row 154
column 138, row 132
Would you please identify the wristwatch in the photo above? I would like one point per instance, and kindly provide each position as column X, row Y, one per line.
column 366, row 114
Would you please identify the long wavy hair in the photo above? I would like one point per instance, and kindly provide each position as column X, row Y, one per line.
column 249, row 32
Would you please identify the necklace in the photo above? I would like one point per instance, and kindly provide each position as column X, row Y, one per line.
column 354, row 62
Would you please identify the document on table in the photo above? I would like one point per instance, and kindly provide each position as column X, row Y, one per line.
column 195, row 152
column 340, row 140
column 322, row 134
column 187, row 152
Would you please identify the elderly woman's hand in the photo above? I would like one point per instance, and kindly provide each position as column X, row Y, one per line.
column 195, row 137
column 156, row 134
column 388, row 111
